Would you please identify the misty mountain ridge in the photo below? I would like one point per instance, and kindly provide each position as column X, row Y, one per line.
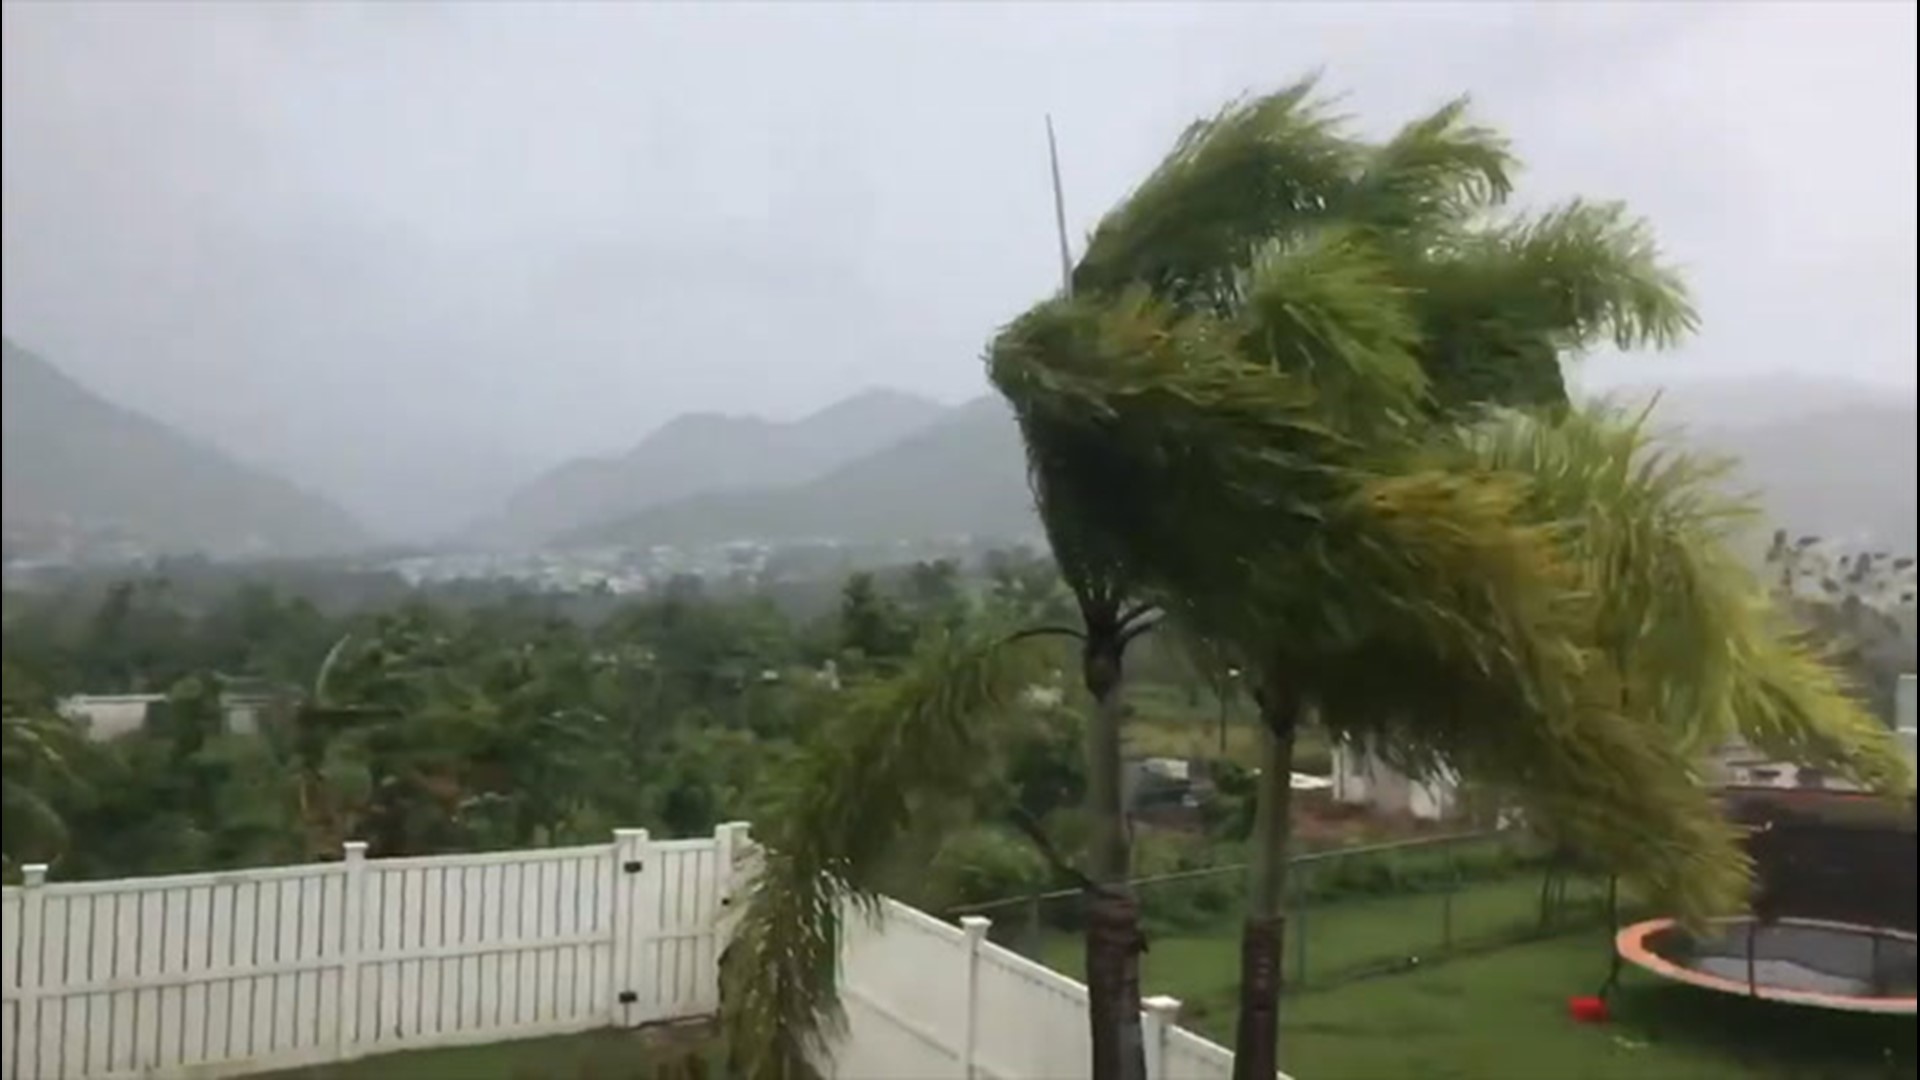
column 1833, row 459
column 77, row 465
column 964, row 474
column 702, row 453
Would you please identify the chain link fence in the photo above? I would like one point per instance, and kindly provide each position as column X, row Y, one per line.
column 1352, row 912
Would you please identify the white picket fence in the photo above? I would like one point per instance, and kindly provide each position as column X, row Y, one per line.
column 212, row 975
column 929, row 1001
column 209, row 975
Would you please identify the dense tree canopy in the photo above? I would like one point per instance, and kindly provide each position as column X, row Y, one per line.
column 428, row 726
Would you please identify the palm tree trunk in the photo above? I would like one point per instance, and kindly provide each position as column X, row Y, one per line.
column 1263, row 937
column 1113, row 940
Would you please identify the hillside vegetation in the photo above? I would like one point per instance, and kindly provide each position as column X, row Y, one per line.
column 77, row 463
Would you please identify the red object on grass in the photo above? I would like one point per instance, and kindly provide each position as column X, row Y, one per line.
column 1587, row 1010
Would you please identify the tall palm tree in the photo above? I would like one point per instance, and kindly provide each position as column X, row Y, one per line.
column 1263, row 402
column 1260, row 406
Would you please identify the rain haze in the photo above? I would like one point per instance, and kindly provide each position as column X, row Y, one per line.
column 412, row 254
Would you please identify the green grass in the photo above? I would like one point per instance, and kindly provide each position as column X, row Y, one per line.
column 663, row 1053
column 1342, row 938
column 1494, row 1010
column 1503, row 1014
column 1490, row 1011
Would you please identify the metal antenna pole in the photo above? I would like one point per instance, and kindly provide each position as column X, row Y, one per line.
column 1059, row 211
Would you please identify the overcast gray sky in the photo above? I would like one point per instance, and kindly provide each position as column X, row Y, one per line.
column 409, row 253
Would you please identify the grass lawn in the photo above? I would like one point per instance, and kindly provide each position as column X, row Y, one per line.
column 1341, row 938
column 661, row 1053
column 1500, row 1013
column 1503, row 1014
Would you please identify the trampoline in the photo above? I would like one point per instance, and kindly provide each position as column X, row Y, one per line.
column 1795, row 961
column 1833, row 907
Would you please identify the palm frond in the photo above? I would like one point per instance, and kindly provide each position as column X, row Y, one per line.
column 1142, row 428
column 1796, row 706
column 1459, row 632
column 1323, row 305
column 1680, row 615
column 1435, row 173
column 1653, row 526
column 921, row 738
column 1501, row 306
column 1250, row 172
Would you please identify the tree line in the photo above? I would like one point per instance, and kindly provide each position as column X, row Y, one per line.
column 427, row 726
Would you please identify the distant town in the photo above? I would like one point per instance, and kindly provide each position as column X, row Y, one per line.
column 45, row 552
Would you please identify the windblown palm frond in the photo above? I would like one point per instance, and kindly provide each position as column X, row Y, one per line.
column 1686, row 623
column 922, row 737
column 1255, row 170
column 1468, row 642
column 1323, row 306
column 1653, row 528
column 1797, row 706
column 1501, row 305
column 1436, row 174
column 1149, row 433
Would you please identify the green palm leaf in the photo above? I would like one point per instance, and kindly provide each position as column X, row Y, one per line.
column 916, row 741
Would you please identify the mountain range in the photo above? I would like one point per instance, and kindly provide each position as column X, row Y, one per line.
column 698, row 455
column 962, row 474
column 1830, row 459
column 76, row 466
column 1825, row 458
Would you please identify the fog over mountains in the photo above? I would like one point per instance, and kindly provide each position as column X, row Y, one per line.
column 963, row 473
column 702, row 454
column 1832, row 459
column 77, row 463
column 1835, row 459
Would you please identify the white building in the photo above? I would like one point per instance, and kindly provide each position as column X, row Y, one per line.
column 1360, row 778
column 110, row 716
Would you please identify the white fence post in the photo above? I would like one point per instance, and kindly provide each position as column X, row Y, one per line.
column 1162, row 1013
column 731, row 844
column 975, row 927
column 353, row 941
column 732, row 839
column 33, row 907
column 629, row 858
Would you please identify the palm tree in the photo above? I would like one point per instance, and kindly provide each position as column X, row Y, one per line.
column 908, row 747
column 1262, row 406
column 1259, row 407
